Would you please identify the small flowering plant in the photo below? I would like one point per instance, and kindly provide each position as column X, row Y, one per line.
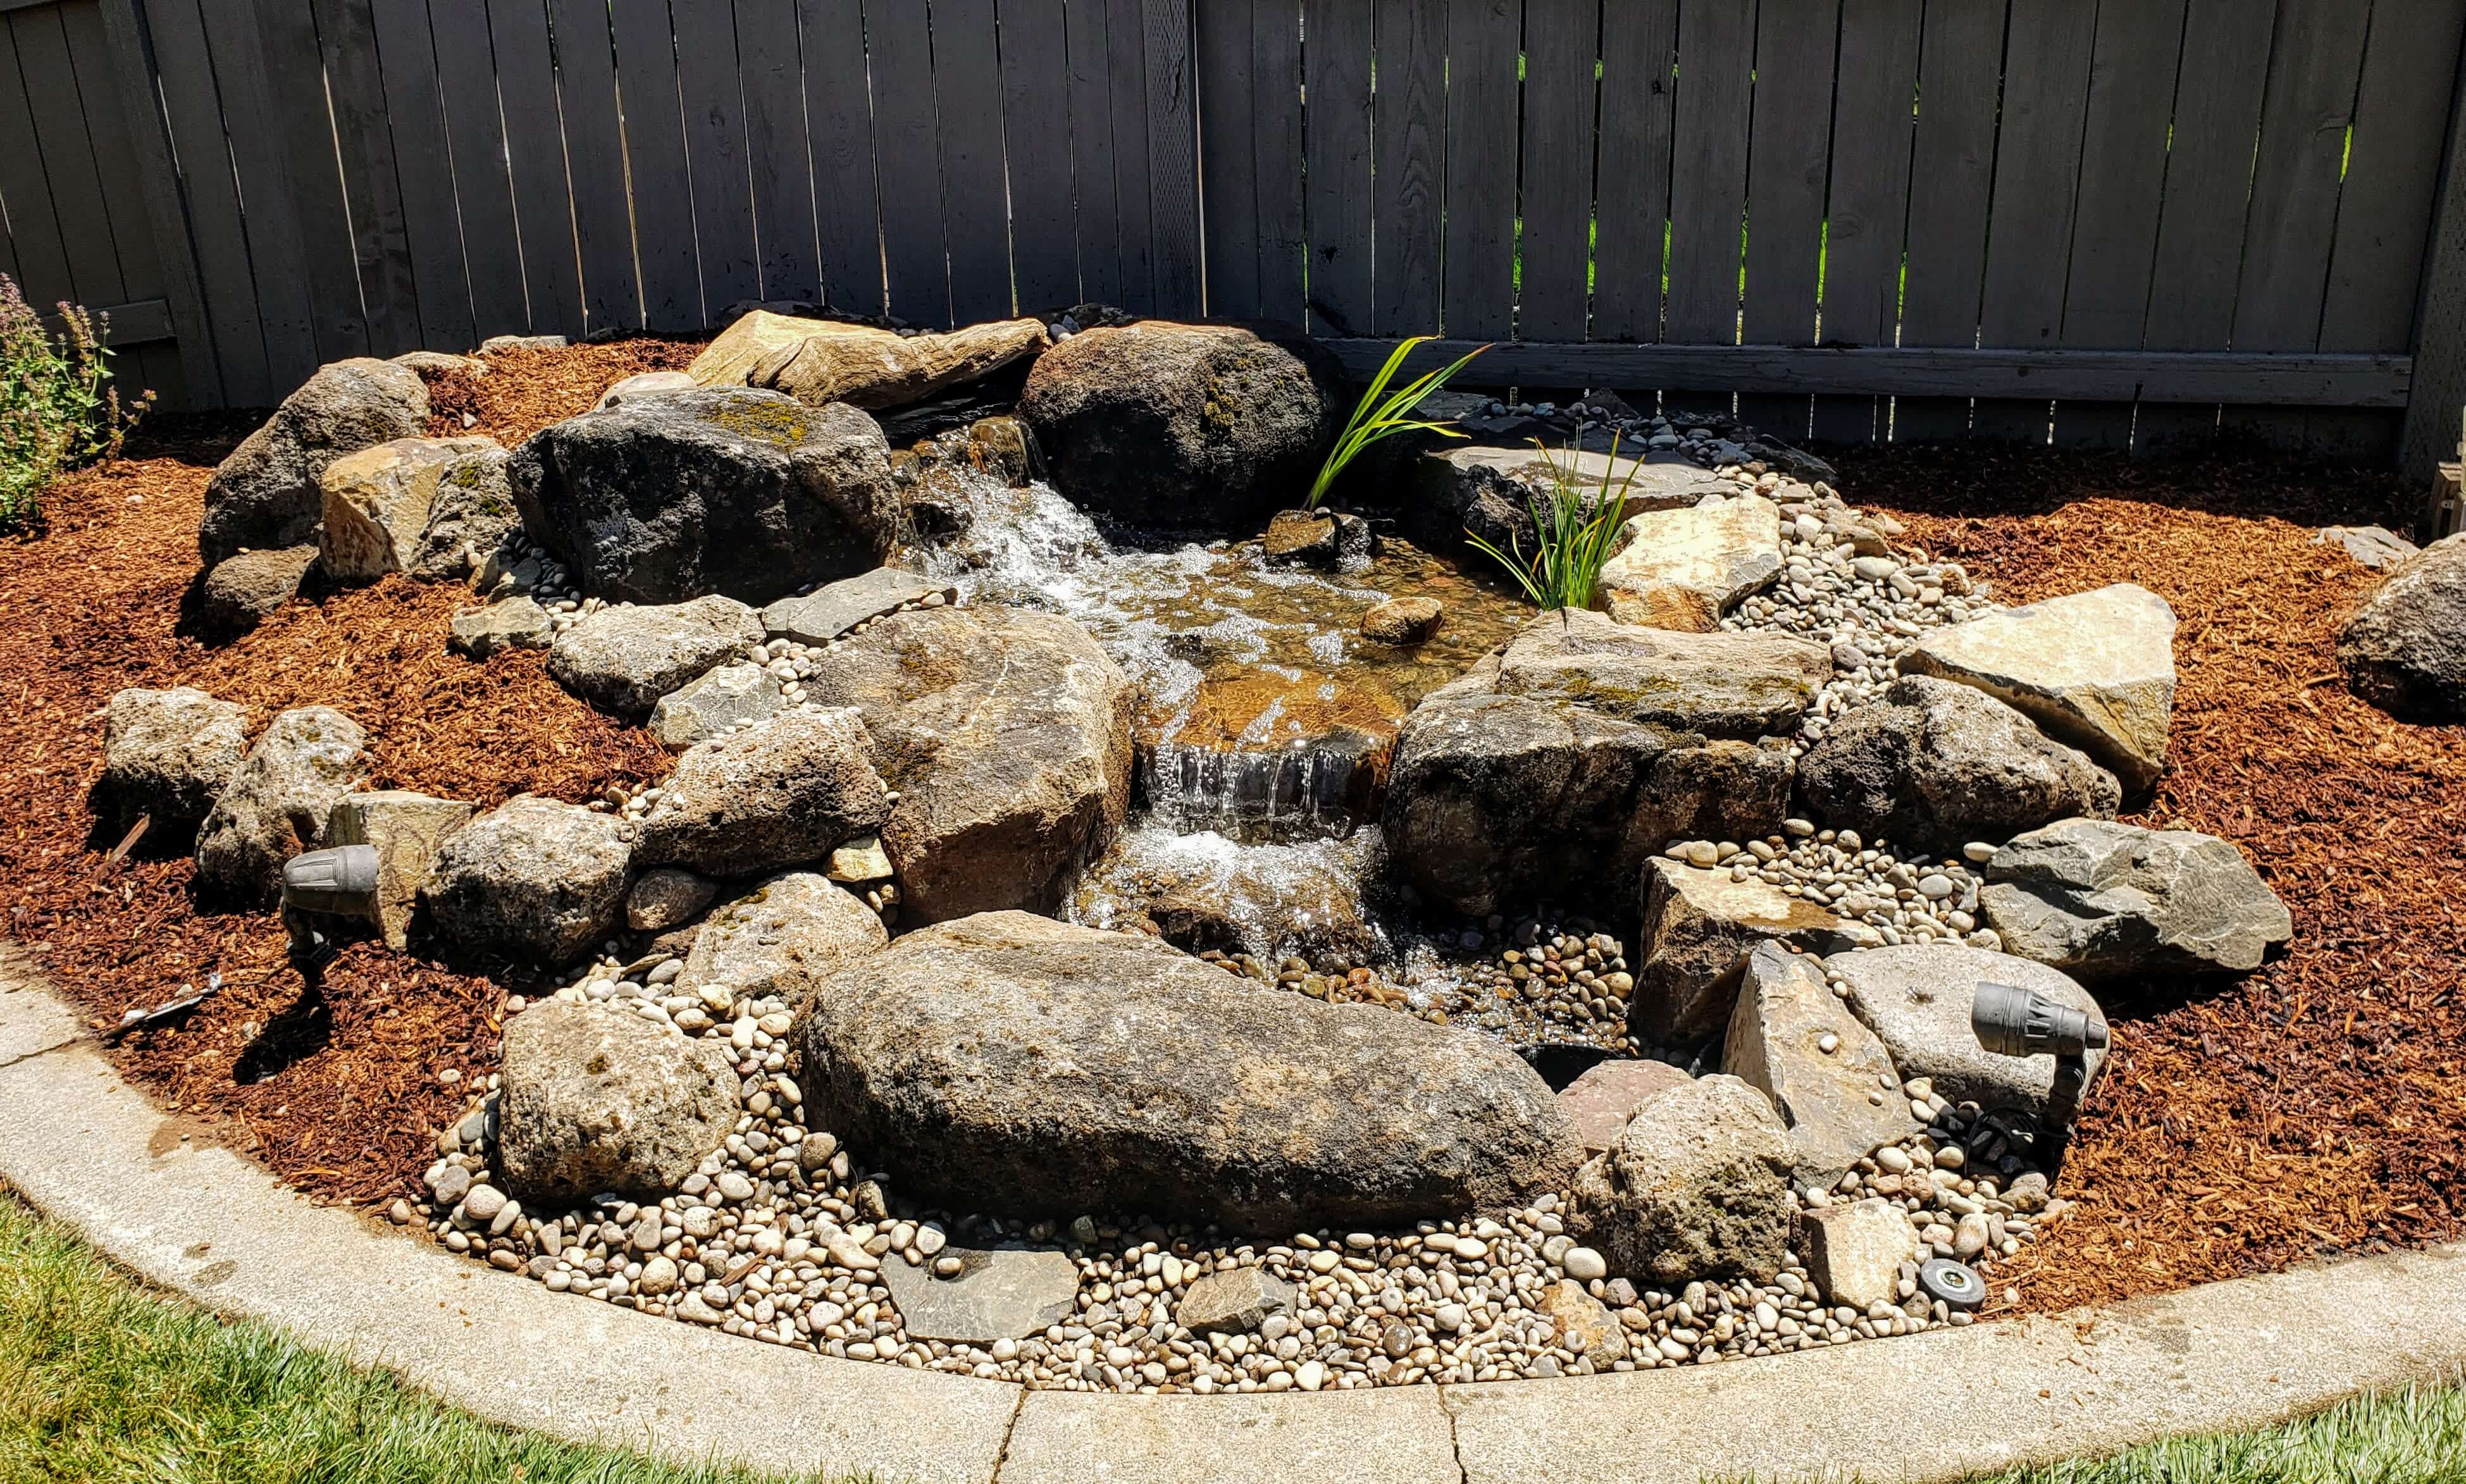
column 57, row 408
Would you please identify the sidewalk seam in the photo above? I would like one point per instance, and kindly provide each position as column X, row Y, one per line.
column 1001, row 1456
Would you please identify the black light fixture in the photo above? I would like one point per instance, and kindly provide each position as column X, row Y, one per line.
column 2010, row 1020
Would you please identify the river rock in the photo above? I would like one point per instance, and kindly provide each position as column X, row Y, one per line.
column 743, row 492
column 407, row 830
column 1014, row 1064
column 1696, row 1187
column 597, row 1100
column 826, row 614
column 168, row 755
column 1941, row 764
column 2375, row 548
column 1739, row 685
column 534, row 881
column 1583, row 1323
column 2405, row 648
column 780, row 937
column 778, row 794
column 266, row 495
column 1234, row 1302
column 1181, row 425
column 713, row 704
column 240, row 590
column 2102, row 900
column 1467, row 490
column 1794, row 1042
column 2096, row 670
column 1917, row 1000
column 514, row 623
column 623, row 658
column 1854, row 1252
column 1005, row 1293
column 1699, row 926
column 1007, row 735
column 377, row 502
column 1606, row 1094
column 275, row 803
column 1403, row 620
column 1685, row 569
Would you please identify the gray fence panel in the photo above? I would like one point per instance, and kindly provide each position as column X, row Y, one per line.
column 840, row 126
column 1873, row 124
column 1337, row 57
column 1789, row 160
column 1639, row 91
column 1554, row 193
column 1409, row 144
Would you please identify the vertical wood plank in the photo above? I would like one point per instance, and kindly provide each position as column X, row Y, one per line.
column 711, row 94
column 770, row 62
column 115, row 157
column 1409, row 144
column 227, row 293
column 1277, row 150
column 1707, row 186
column 1229, row 174
column 1098, row 222
column 41, row 255
column 2030, row 228
column 594, row 147
column 838, row 112
column 1126, row 78
column 655, row 157
column 1639, row 91
column 1036, row 134
column 200, row 380
column 296, row 100
column 907, row 160
column 2305, row 112
column 1337, row 43
column 2122, row 170
column 2439, row 387
column 2384, row 213
column 1790, row 161
column 535, row 151
column 372, row 190
column 1555, row 205
column 1173, row 157
column 1872, row 125
column 54, row 147
column 269, row 212
column 1483, row 46
column 1952, row 165
column 483, row 191
column 967, row 87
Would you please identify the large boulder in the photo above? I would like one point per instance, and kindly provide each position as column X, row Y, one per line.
column 1007, row 735
column 406, row 830
column 595, row 1101
column 1918, row 999
column 1827, row 1075
column 1685, row 569
column 1699, row 926
column 1940, row 764
column 1607, row 1093
column 1181, row 425
column 267, row 494
column 534, row 881
column 2405, row 648
column 2096, row 670
column 1739, row 685
column 781, row 792
column 739, row 491
column 780, row 937
column 1465, row 490
column 168, row 755
column 377, row 502
column 1011, row 1062
column 623, row 658
column 470, row 516
column 822, row 361
column 275, row 803
column 240, row 590
column 1697, row 1186
column 2102, row 900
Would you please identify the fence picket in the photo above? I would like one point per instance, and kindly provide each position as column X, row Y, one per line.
column 1336, row 42
column 302, row 152
column 1952, row 165
column 269, row 210
column 1229, row 183
column 711, row 98
column 840, row 122
column 1483, row 50
column 1035, row 132
column 372, row 190
column 907, row 160
column 655, row 158
column 1097, row 224
column 1554, row 200
column 1126, row 76
column 1173, row 157
column 595, row 151
column 535, row 154
column 779, row 171
column 967, row 87
column 228, row 297
column 1409, row 144
column 2030, row 224
column 1276, row 151
column 1789, row 156
column 1639, row 46
column 483, row 192
column 1872, row 125
column 59, row 166
column 1708, row 184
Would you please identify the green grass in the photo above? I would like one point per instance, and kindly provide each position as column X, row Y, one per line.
column 102, row 1379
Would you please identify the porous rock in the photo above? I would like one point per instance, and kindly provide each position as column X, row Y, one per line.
column 1021, row 1065
column 1792, row 1040
column 2405, row 648
column 1737, row 686
column 265, row 494
column 1583, row 1324
column 1699, row 926
column 534, row 881
column 377, row 503
column 781, row 936
column 1606, row 1096
column 743, row 492
column 2102, row 900
column 1854, row 1252
column 779, row 793
column 1685, row 569
column 1940, row 764
column 1917, row 1000
column 240, row 590
column 169, row 753
column 1235, row 1302
column 407, row 830
column 624, row 657
column 513, row 623
column 275, row 803
column 718, row 701
column 665, row 897
column 824, row 614
column 1696, row 1187
column 595, row 1100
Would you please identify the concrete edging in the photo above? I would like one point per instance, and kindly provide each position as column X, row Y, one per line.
column 87, row 1149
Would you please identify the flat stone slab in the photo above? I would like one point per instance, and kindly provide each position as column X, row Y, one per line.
column 828, row 611
column 1684, row 569
column 1000, row 1295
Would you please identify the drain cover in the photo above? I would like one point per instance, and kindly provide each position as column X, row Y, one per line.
column 1952, row 1282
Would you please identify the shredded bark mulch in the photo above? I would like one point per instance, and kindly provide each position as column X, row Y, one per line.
column 2312, row 1108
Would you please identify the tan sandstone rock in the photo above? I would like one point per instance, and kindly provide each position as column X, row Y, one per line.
column 377, row 502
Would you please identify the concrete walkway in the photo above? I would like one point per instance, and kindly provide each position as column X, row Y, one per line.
column 87, row 1149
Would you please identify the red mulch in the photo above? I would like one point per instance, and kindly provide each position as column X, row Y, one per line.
column 524, row 390
column 2316, row 1106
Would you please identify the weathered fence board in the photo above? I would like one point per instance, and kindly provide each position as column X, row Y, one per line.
column 1873, row 113
column 1336, row 90
column 1483, row 52
column 1278, row 166
column 1409, row 141
column 1952, row 169
column 1230, row 181
column 966, row 89
column 1790, row 157
column 1555, row 195
column 655, row 153
column 1036, row 125
column 839, row 120
column 1639, row 89
column 712, row 104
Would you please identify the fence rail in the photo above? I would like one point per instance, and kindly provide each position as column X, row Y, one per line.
column 2099, row 223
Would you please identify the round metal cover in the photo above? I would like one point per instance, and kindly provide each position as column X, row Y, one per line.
column 1952, row 1282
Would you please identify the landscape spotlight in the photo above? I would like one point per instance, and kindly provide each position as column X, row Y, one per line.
column 342, row 880
column 2014, row 1022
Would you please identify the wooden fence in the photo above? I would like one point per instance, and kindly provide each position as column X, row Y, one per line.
column 2095, row 221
